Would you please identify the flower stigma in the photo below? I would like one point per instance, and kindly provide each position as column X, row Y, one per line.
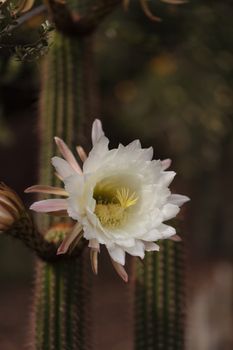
column 113, row 203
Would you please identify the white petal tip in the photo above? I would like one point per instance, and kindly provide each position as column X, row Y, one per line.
column 178, row 199
column 97, row 122
column 94, row 260
column 49, row 205
column 57, row 139
column 176, row 238
column 120, row 271
column 62, row 249
column 151, row 247
column 34, row 207
column 54, row 159
column 60, row 252
column 97, row 131
column 94, row 244
column 126, row 279
column 166, row 163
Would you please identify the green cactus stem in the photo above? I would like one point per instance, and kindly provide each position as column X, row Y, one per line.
column 62, row 288
column 26, row 231
column 160, row 299
column 61, row 311
column 67, row 100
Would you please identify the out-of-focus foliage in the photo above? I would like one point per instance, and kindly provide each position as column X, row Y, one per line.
column 185, row 88
column 36, row 49
column 16, row 34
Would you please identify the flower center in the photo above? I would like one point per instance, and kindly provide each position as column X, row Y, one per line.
column 113, row 203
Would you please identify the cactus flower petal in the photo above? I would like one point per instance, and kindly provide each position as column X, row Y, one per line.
column 151, row 246
column 49, row 205
column 68, row 155
column 120, row 270
column 94, row 260
column 82, row 154
column 176, row 238
column 97, row 131
column 166, row 163
column 62, row 167
column 117, row 254
column 46, row 189
column 178, row 199
column 70, row 238
column 94, row 244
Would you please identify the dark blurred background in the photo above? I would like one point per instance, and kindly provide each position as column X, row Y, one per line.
column 170, row 85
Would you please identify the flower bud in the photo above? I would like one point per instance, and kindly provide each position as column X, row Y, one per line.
column 11, row 207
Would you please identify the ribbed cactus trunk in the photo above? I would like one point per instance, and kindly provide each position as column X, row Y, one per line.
column 68, row 101
column 62, row 291
column 160, row 299
column 61, row 308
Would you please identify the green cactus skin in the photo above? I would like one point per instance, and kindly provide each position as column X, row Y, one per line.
column 68, row 103
column 62, row 288
column 61, row 310
column 160, row 299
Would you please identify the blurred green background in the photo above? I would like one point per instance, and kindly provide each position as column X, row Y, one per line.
column 169, row 84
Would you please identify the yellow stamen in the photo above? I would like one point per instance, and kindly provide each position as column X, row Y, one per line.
column 112, row 205
column 110, row 215
column 125, row 199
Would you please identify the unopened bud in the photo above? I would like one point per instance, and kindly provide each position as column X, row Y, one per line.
column 11, row 207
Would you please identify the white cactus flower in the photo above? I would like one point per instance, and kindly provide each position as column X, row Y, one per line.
column 120, row 198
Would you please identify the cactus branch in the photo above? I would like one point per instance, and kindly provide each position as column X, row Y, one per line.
column 24, row 230
column 160, row 299
column 68, row 102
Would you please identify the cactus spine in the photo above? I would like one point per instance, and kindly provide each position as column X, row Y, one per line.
column 159, row 299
